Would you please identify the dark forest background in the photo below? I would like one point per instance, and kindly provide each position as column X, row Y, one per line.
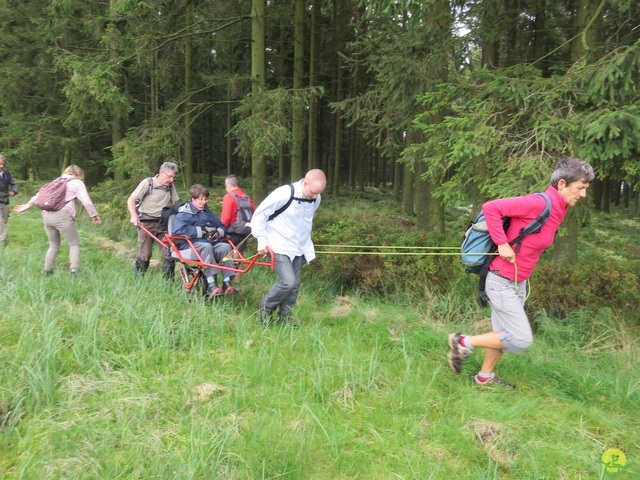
column 442, row 103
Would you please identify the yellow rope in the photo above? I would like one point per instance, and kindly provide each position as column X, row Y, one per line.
column 397, row 247
column 394, row 250
column 400, row 253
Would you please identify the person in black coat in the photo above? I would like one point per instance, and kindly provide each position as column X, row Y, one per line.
column 8, row 188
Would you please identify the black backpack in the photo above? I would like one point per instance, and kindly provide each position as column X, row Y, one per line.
column 167, row 213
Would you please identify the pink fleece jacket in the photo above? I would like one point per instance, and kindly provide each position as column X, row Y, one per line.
column 522, row 211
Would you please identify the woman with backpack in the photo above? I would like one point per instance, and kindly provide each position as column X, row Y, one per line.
column 61, row 217
column 506, row 281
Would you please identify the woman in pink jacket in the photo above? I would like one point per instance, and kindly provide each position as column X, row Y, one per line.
column 63, row 221
column 506, row 285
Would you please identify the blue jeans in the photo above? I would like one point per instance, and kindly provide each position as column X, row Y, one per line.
column 284, row 292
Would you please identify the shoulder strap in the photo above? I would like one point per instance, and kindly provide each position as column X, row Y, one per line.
column 536, row 225
column 237, row 198
column 150, row 188
column 291, row 199
column 282, row 208
column 147, row 193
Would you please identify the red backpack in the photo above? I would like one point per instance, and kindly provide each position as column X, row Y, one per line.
column 51, row 196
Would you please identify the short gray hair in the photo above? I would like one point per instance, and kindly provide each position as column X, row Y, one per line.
column 233, row 180
column 169, row 166
column 572, row 170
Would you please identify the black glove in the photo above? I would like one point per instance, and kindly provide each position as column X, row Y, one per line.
column 210, row 233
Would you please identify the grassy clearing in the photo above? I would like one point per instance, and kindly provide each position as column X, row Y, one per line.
column 107, row 377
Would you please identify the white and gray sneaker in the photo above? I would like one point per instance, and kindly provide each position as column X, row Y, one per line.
column 457, row 354
column 493, row 381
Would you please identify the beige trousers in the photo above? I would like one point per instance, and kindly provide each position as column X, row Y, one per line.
column 56, row 223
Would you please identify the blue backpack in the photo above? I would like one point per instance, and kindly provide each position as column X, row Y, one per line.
column 477, row 245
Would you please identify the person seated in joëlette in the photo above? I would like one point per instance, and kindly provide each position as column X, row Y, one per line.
column 206, row 231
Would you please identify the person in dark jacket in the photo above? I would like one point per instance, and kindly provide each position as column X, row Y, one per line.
column 8, row 188
column 206, row 231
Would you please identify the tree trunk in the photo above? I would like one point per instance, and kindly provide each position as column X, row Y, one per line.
column 429, row 208
column 258, row 164
column 540, row 38
column 606, row 195
column 116, row 119
column 312, row 161
column 187, row 169
column 407, row 192
column 512, row 13
column 625, row 195
column 397, row 180
column 338, row 79
column 229, row 142
column 616, row 192
column 596, row 193
column 429, row 211
column 489, row 34
column 586, row 21
column 297, row 128
column 282, row 66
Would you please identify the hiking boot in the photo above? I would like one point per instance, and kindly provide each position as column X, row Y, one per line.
column 493, row 381
column 141, row 266
column 457, row 354
column 229, row 289
column 168, row 269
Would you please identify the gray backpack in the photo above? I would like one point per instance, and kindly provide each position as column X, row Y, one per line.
column 245, row 212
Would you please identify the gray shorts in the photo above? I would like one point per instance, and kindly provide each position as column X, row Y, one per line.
column 507, row 313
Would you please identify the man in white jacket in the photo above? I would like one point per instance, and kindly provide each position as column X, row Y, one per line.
column 283, row 223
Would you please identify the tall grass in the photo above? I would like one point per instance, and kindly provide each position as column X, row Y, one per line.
column 109, row 376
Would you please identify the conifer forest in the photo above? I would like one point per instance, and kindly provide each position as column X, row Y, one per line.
column 443, row 102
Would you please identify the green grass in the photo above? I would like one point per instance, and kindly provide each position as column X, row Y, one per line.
column 103, row 376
